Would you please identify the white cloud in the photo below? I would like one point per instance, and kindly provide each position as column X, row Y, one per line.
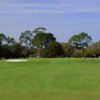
column 20, row 16
column 42, row 8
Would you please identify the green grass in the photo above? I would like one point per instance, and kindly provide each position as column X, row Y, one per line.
column 50, row 79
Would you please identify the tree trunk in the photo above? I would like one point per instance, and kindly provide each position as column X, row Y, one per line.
column 38, row 53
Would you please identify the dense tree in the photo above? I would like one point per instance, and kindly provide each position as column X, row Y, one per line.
column 26, row 38
column 41, row 43
column 10, row 40
column 41, row 39
column 17, row 50
column 2, row 38
column 93, row 50
column 68, row 49
column 53, row 50
column 80, row 41
column 39, row 30
column 28, row 52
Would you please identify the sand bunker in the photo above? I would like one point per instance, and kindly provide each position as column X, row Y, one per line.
column 16, row 60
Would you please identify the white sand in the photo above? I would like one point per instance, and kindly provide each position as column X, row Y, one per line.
column 16, row 60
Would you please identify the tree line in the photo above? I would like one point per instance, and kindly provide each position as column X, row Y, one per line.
column 40, row 43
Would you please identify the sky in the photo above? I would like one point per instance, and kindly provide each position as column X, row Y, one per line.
column 63, row 18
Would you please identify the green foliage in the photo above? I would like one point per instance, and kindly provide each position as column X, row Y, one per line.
column 39, row 30
column 10, row 40
column 93, row 50
column 17, row 50
column 41, row 40
column 40, row 43
column 28, row 52
column 81, row 40
column 26, row 38
column 68, row 49
column 2, row 38
column 53, row 50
